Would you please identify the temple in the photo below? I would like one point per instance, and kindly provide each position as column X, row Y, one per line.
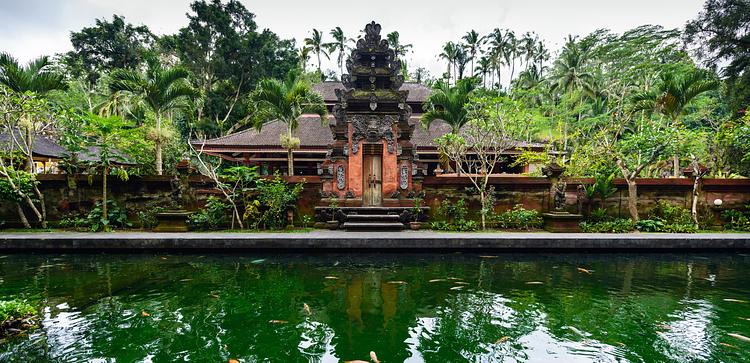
column 372, row 150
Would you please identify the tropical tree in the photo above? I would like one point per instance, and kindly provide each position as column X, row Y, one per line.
column 672, row 94
column 161, row 89
column 473, row 44
column 462, row 58
column 286, row 101
column 449, row 53
column 36, row 76
column 316, row 44
column 394, row 40
column 102, row 134
column 449, row 104
column 341, row 45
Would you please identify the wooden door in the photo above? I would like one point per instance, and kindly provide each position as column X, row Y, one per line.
column 373, row 180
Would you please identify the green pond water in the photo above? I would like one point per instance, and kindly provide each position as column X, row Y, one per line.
column 404, row 307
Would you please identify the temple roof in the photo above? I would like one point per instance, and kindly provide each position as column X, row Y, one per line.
column 47, row 148
column 316, row 135
column 417, row 92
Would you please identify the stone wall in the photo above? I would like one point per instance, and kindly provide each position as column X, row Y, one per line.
column 64, row 197
column 534, row 193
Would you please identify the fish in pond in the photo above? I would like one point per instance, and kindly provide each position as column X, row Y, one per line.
column 461, row 283
column 186, row 280
column 331, row 278
column 278, row 321
column 735, row 301
column 306, row 309
column 145, row 314
column 233, row 361
column 356, row 361
column 457, row 288
column 739, row 337
column 581, row 269
column 534, row 283
column 728, row 345
column 486, row 256
column 502, row 340
column 397, row 282
column 374, row 357
column 260, row 260
column 437, row 280
column 577, row 331
column 455, row 278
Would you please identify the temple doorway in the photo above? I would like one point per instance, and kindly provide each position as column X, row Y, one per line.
column 372, row 174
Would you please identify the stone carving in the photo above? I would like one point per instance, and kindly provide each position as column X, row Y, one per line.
column 373, row 128
column 340, row 177
column 560, row 195
column 404, row 177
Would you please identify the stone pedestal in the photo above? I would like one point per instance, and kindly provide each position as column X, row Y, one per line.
column 172, row 221
column 562, row 222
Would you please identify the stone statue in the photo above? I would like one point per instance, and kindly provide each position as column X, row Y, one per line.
column 560, row 188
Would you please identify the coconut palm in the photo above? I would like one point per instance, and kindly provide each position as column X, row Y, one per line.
column 340, row 45
column 571, row 68
column 394, row 40
column 161, row 89
column 462, row 58
column 503, row 49
column 484, row 67
column 286, row 101
column 304, row 57
column 473, row 45
column 449, row 54
column 541, row 54
column 671, row 95
column 36, row 76
column 316, row 45
column 527, row 46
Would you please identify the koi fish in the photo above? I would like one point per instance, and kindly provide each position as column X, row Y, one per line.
column 534, row 283
column 502, row 340
column 306, row 309
column 739, row 337
column 437, row 280
column 580, row 269
column 374, row 357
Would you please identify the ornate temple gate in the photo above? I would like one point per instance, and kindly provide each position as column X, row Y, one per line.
column 371, row 161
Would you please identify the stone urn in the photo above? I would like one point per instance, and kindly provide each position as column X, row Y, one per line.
column 332, row 225
column 415, row 226
column 172, row 221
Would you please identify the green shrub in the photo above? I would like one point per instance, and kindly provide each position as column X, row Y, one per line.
column 599, row 215
column 518, row 218
column 736, row 220
column 649, row 225
column 93, row 221
column 276, row 197
column 619, row 225
column 452, row 217
column 212, row 217
column 670, row 213
column 680, row 228
column 147, row 216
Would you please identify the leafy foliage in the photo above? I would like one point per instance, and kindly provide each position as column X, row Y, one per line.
column 117, row 218
column 737, row 220
column 452, row 217
column 15, row 309
column 212, row 217
column 619, row 225
column 276, row 197
column 518, row 218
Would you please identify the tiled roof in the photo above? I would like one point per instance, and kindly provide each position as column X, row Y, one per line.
column 42, row 146
column 417, row 92
column 314, row 134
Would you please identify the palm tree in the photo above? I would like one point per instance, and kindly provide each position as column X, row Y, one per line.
column 473, row 45
column 449, row 103
column 449, row 54
column 484, row 68
column 316, row 45
column 672, row 93
column 36, row 76
column 304, row 57
column 502, row 42
column 571, row 68
column 286, row 101
column 462, row 58
column 160, row 89
column 395, row 42
column 528, row 48
column 541, row 54
column 340, row 45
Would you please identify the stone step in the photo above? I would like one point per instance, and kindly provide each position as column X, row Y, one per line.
column 372, row 217
column 373, row 226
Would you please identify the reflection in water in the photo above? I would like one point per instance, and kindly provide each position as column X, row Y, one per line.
column 406, row 308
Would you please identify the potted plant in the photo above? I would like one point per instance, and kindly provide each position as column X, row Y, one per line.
column 416, row 214
column 333, row 207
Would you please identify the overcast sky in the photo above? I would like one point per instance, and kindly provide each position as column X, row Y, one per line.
column 29, row 28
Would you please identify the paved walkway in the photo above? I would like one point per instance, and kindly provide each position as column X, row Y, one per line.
column 341, row 240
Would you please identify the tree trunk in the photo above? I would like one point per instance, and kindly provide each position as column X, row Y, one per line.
column 632, row 199
column 290, row 162
column 484, row 209
column 157, row 145
column 22, row 216
column 105, row 217
column 676, row 166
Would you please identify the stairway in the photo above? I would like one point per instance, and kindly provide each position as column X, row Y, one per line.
column 372, row 219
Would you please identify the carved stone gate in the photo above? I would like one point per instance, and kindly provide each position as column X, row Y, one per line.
column 371, row 118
